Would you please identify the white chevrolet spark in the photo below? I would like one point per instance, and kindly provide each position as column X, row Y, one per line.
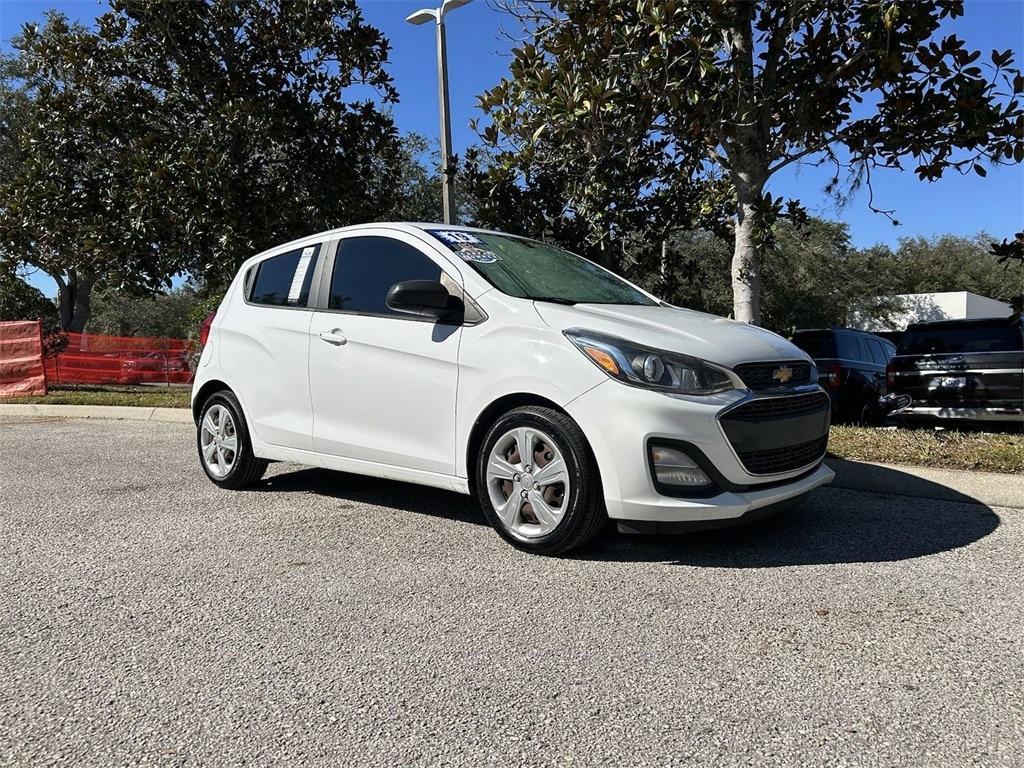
column 557, row 393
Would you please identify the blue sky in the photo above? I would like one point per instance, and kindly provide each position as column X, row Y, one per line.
column 478, row 58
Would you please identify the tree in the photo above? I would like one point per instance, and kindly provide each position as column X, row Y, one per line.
column 76, row 205
column 119, row 313
column 188, row 136
column 266, row 142
column 1009, row 251
column 722, row 95
column 953, row 263
column 21, row 301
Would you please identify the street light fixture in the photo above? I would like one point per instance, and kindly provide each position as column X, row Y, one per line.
column 437, row 15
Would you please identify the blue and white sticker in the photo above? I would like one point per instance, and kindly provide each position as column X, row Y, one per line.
column 478, row 255
column 457, row 237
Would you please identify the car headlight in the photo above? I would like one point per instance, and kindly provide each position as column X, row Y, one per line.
column 650, row 368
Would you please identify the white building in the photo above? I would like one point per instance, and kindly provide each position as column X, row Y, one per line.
column 925, row 307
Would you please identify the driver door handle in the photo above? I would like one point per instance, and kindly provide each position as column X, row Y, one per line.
column 334, row 336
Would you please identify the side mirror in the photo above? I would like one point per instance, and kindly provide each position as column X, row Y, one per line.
column 426, row 298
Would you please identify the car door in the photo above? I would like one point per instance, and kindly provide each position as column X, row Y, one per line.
column 265, row 345
column 383, row 383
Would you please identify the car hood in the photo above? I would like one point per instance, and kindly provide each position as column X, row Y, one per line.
column 708, row 337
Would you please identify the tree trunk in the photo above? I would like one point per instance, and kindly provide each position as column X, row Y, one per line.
column 746, row 262
column 75, row 298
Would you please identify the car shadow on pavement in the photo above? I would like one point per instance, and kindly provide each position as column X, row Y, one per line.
column 361, row 489
column 870, row 514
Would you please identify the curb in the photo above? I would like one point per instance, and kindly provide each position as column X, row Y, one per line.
column 991, row 489
column 135, row 413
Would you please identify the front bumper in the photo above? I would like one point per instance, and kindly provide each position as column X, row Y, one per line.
column 620, row 421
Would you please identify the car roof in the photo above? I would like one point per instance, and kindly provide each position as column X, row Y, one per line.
column 409, row 227
column 979, row 322
column 406, row 226
column 840, row 330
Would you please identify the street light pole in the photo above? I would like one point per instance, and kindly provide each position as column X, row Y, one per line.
column 447, row 172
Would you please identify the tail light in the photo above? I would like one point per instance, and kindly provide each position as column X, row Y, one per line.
column 890, row 375
column 204, row 328
column 834, row 374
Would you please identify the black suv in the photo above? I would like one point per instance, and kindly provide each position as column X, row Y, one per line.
column 851, row 368
column 962, row 370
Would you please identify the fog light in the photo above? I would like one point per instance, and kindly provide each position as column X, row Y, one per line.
column 673, row 467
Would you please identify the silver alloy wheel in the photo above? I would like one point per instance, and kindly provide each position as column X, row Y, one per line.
column 528, row 482
column 219, row 440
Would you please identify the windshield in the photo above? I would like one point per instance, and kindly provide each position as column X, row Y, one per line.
column 529, row 269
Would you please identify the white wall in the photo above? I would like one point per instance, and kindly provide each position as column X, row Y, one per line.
column 927, row 307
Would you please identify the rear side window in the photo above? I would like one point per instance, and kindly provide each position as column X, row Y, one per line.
column 986, row 337
column 815, row 344
column 366, row 268
column 284, row 280
column 878, row 352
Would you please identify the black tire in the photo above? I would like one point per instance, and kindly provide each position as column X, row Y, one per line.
column 869, row 415
column 247, row 468
column 584, row 515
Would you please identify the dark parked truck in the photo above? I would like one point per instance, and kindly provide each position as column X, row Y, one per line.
column 961, row 370
column 851, row 368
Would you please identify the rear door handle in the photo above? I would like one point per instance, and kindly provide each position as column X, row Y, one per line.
column 334, row 336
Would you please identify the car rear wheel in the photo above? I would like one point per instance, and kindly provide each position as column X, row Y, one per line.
column 225, row 450
column 538, row 483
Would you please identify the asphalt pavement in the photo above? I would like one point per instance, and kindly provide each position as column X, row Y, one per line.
column 149, row 618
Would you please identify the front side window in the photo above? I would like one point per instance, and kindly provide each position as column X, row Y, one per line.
column 284, row 280
column 529, row 269
column 366, row 268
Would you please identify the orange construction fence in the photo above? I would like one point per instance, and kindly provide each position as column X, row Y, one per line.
column 21, row 359
column 91, row 358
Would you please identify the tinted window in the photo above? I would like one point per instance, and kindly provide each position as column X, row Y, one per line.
column 367, row 267
column 283, row 281
column 817, row 344
column 877, row 351
column 847, row 346
column 984, row 337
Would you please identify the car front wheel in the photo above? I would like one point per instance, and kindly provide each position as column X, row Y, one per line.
column 538, row 483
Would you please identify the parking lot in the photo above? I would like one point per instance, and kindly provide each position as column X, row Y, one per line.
column 147, row 617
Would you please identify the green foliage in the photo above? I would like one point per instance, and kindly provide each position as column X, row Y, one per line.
column 417, row 185
column 21, row 301
column 814, row 278
column 1009, row 251
column 119, row 313
column 673, row 109
column 953, row 263
column 188, row 136
column 200, row 310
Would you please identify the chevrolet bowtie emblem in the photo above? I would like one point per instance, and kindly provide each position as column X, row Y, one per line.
column 782, row 374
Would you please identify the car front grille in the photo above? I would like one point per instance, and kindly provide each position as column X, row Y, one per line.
column 783, row 459
column 763, row 376
column 779, row 407
column 771, row 435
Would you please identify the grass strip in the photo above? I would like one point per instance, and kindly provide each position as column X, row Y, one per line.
column 947, row 449
column 144, row 397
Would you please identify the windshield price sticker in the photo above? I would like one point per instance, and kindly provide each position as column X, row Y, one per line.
column 300, row 274
column 479, row 255
column 455, row 237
